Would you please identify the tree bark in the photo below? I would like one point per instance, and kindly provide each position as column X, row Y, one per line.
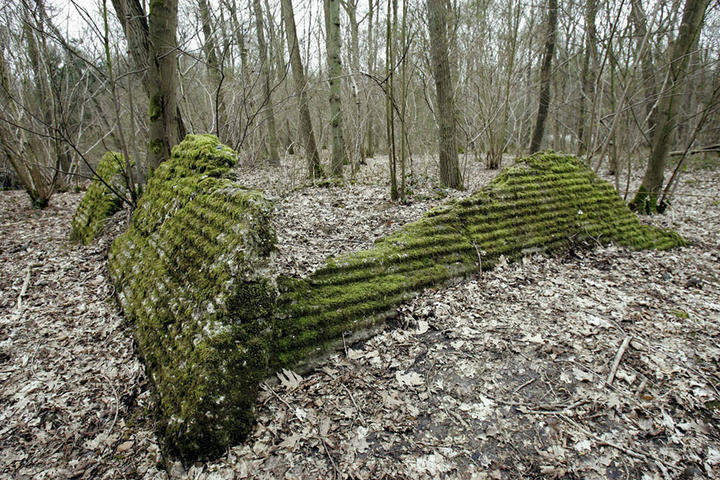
column 449, row 166
column 389, row 97
column 648, row 70
column 587, row 73
column 494, row 156
column 370, row 137
column 215, row 71
column 545, row 74
column 306, row 129
column 131, row 15
column 274, row 158
column 132, row 18
column 646, row 198
column 162, row 81
column 350, row 7
column 332, row 39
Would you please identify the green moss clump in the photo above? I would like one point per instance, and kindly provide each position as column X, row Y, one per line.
column 190, row 272
column 544, row 203
column 100, row 202
column 646, row 202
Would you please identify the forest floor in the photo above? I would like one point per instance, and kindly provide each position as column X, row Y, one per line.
column 503, row 375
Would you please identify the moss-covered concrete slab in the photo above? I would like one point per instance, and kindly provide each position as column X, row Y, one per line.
column 212, row 322
column 191, row 273
column 100, row 202
column 544, row 203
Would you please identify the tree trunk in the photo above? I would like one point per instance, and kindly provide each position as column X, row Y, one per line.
column 437, row 22
column 11, row 140
column 403, row 108
column 350, row 7
column 132, row 18
column 215, row 71
column 162, row 80
column 274, row 158
column 389, row 100
column 306, row 130
column 587, row 73
column 494, row 156
column 545, row 73
column 646, row 198
column 370, row 137
column 648, row 70
column 332, row 39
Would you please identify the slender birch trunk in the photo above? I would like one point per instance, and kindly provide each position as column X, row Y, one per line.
column 332, row 39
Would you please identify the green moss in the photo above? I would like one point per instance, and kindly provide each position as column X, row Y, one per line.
column 156, row 145
column 211, row 324
column 646, row 202
column 155, row 107
column 100, row 202
column 543, row 203
column 189, row 272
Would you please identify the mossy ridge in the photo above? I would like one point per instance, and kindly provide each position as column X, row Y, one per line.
column 544, row 203
column 190, row 272
column 99, row 202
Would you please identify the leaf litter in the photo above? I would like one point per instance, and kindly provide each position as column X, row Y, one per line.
column 506, row 374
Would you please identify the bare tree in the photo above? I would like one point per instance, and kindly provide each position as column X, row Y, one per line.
column 639, row 20
column 545, row 74
column 445, row 115
column 390, row 95
column 162, row 80
column 134, row 21
column 35, row 179
column 371, row 63
column 274, row 158
column 587, row 73
column 332, row 38
column 215, row 70
column 34, row 114
column 305, row 121
column 646, row 199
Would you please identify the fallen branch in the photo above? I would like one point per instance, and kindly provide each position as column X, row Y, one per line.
column 628, row 451
column 332, row 462
column 524, row 385
column 706, row 149
column 23, row 290
column 266, row 386
column 618, row 358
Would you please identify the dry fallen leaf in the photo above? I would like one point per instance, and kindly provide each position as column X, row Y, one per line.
column 412, row 379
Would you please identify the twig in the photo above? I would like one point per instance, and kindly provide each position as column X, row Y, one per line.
column 277, row 396
column 524, row 385
column 117, row 402
column 597, row 240
column 478, row 255
column 24, row 287
column 327, row 452
column 618, row 358
column 352, row 399
column 628, row 451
